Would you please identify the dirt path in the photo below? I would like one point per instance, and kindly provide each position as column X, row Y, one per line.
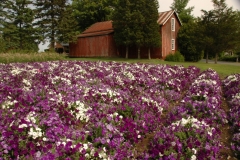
column 226, row 136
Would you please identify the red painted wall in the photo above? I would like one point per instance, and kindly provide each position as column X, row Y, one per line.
column 95, row 46
column 167, row 35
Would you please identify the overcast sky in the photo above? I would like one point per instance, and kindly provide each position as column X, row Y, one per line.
column 164, row 5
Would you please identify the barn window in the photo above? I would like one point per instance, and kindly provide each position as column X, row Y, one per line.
column 173, row 24
column 173, row 44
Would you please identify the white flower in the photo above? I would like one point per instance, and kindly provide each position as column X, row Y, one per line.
column 139, row 136
column 38, row 154
column 193, row 157
column 35, row 133
column 194, row 151
column 22, row 126
column 85, row 146
column 87, row 155
column 92, row 152
column 115, row 114
column 31, row 117
column 82, row 109
column 173, row 143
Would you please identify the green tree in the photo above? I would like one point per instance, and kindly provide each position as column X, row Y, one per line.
column 135, row 24
column 189, row 40
column 187, row 35
column 17, row 27
column 2, row 12
column 138, row 19
column 185, row 14
column 151, row 27
column 48, row 16
column 88, row 12
column 221, row 29
column 68, row 27
column 122, row 24
column 2, row 19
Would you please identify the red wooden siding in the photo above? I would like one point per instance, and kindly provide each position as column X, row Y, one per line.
column 96, row 41
column 94, row 46
column 167, row 34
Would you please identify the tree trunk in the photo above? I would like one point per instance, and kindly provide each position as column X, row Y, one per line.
column 52, row 38
column 126, row 52
column 149, row 53
column 139, row 53
column 206, row 57
column 216, row 57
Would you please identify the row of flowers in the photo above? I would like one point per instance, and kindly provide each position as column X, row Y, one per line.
column 102, row 110
column 231, row 85
column 193, row 131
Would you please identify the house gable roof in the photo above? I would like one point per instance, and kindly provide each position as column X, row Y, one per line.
column 104, row 28
column 97, row 29
column 164, row 17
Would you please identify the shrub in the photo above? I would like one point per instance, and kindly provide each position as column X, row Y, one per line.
column 228, row 58
column 176, row 57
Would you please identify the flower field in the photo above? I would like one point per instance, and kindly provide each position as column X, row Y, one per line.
column 105, row 110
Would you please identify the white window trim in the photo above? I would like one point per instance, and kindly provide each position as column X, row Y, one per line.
column 173, row 24
column 173, row 44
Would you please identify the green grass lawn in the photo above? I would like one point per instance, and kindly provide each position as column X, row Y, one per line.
column 222, row 69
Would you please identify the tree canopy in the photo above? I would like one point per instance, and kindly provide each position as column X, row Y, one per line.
column 88, row 12
column 188, row 34
column 68, row 28
column 17, row 26
column 135, row 24
column 185, row 14
column 221, row 28
column 48, row 16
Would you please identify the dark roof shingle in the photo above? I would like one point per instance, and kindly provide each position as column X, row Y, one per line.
column 164, row 16
column 99, row 28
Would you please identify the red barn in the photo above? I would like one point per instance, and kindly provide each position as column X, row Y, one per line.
column 98, row 41
column 169, row 27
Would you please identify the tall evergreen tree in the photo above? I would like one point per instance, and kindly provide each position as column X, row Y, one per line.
column 123, row 25
column 67, row 28
column 88, row 12
column 188, row 34
column 222, row 27
column 189, row 39
column 18, row 31
column 2, row 13
column 2, row 20
column 48, row 16
column 135, row 24
column 180, row 7
column 138, row 19
column 151, row 27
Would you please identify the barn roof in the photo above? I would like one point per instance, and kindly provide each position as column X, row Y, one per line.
column 164, row 16
column 104, row 28
column 57, row 45
column 99, row 28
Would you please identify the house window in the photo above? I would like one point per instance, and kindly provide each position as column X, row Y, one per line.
column 173, row 44
column 173, row 24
